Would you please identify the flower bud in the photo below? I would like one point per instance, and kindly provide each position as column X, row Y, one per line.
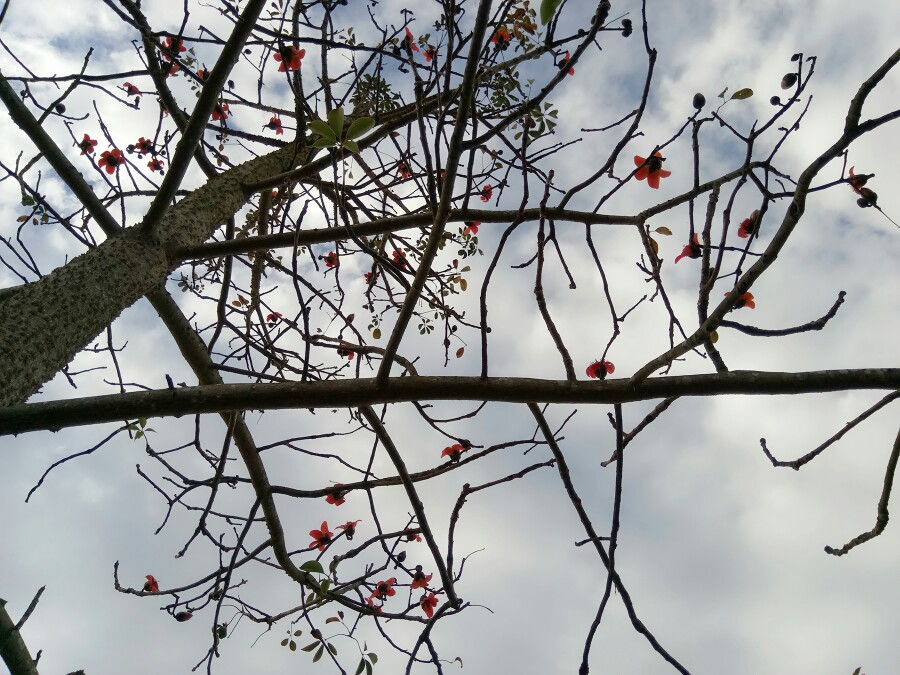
column 699, row 101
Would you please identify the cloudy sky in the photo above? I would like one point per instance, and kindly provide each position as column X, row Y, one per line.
column 721, row 553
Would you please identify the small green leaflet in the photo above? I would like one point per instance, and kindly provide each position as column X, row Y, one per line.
column 741, row 94
column 548, row 9
column 360, row 127
column 313, row 566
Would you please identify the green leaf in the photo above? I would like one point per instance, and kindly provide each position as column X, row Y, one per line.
column 310, row 646
column 741, row 94
column 323, row 589
column 336, row 121
column 319, row 654
column 373, row 657
column 360, row 667
column 284, row 643
column 293, row 646
column 321, row 128
column 351, row 146
column 368, row 668
column 332, row 649
column 548, row 9
column 313, row 566
column 360, row 127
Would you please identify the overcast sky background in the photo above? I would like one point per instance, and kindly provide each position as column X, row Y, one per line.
column 722, row 554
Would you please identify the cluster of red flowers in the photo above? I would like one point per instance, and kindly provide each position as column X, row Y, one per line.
column 289, row 57
column 404, row 170
column 746, row 300
column 565, row 62
column 454, row 451
column 321, row 537
column 399, row 257
column 152, row 585
column 220, row 112
column 349, row 528
column 143, row 147
column 501, row 37
column 651, row 169
column 331, row 260
column 598, row 370
column 336, row 497
column 87, row 145
column 692, row 250
column 471, row 227
column 272, row 317
column 409, row 42
column 275, row 125
column 749, row 225
column 174, row 46
column 111, row 160
column 155, row 164
column 486, row 192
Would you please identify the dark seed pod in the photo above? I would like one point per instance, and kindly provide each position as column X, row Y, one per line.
column 60, row 108
column 789, row 80
column 183, row 616
column 863, row 203
column 699, row 101
column 775, row 100
column 796, row 57
column 869, row 195
column 627, row 28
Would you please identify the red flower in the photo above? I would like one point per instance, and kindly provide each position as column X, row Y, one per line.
column 651, row 169
column 428, row 603
column 289, row 57
column 331, row 260
column 404, row 170
column 345, row 353
column 143, row 146
column 385, row 589
column 430, row 53
column 369, row 276
column 273, row 317
column 501, row 37
column 349, row 528
column 692, row 250
column 857, row 183
column 420, row 579
column 155, row 165
column 87, row 145
column 600, row 369
column 371, row 604
column 131, row 90
column 746, row 300
column 220, row 112
column 409, row 42
column 486, row 192
column 336, row 497
column 111, row 160
column 413, row 536
column 202, row 74
column 321, row 538
column 175, row 46
column 152, row 584
column 471, row 227
column 174, row 68
column 275, row 124
column 399, row 257
column 749, row 225
column 453, row 452
column 565, row 63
